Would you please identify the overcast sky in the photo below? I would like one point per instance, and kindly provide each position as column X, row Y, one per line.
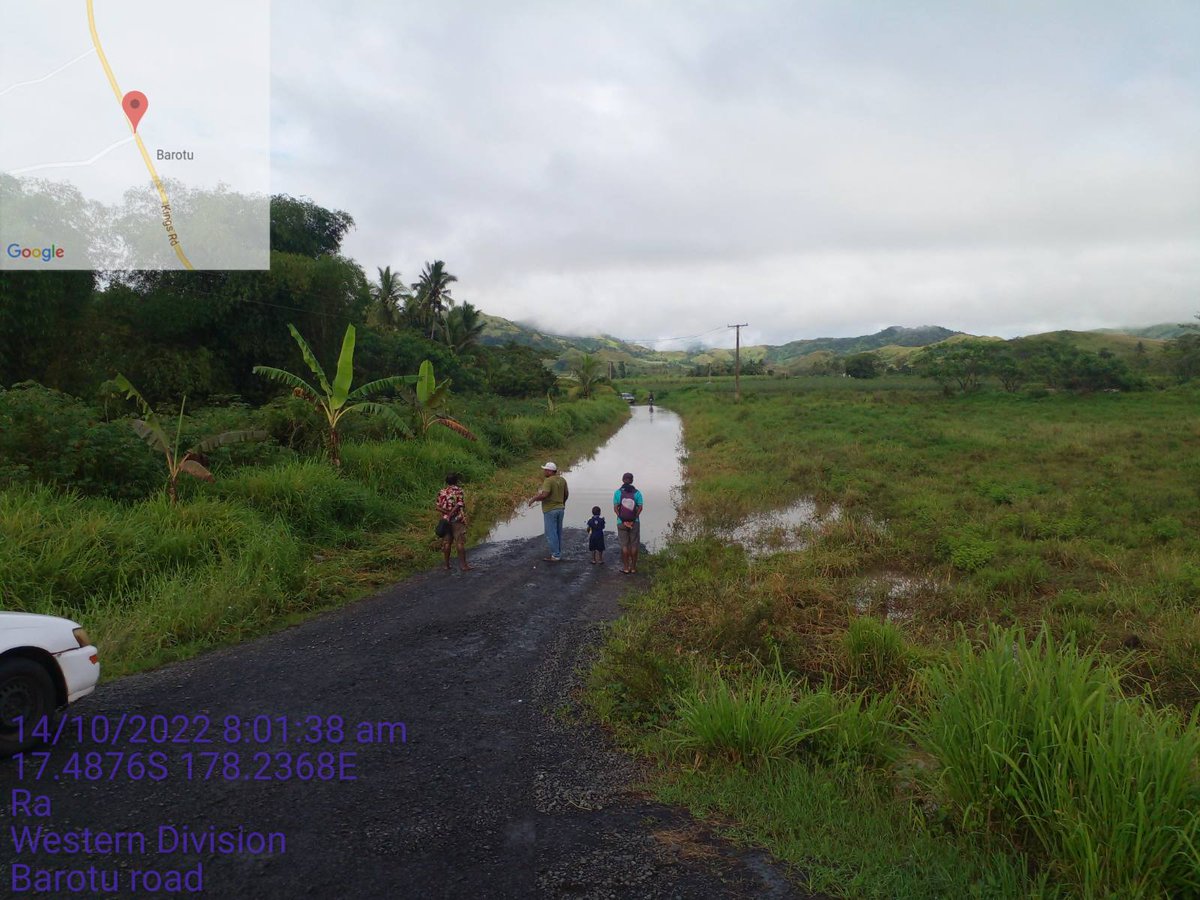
column 659, row 169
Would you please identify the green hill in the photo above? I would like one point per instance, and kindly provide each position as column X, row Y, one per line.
column 1164, row 332
column 1122, row 345
column 895, row 335
column 894, row 345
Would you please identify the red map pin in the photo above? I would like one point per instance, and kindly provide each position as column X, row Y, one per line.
column 135, row 104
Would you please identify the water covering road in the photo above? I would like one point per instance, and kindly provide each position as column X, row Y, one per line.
column 649, row 445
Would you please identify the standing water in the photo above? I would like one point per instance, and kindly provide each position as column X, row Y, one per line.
column 648, row 445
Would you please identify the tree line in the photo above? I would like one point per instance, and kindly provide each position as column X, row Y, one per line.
column 199, row 334
column 1042, row 363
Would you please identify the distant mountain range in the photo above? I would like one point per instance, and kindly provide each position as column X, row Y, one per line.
column 893, row 343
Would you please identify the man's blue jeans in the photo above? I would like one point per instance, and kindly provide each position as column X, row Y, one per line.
column 554, row 523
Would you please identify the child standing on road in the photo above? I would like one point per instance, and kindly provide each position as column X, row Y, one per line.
column 595, row 529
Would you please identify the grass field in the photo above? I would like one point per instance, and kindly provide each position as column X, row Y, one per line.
column 987, row 651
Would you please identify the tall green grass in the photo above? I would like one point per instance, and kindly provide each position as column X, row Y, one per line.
column 64, row 553
column 875, row 651
column 753, row 720
column 311, row 499
column 1037, row 741
column 762, row 715
column 146, row 577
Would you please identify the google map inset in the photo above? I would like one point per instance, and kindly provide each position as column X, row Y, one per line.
column 135, row 136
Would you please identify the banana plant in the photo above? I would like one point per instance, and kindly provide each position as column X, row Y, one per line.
column 432, row 396
column 191, row 461
column 334, row 399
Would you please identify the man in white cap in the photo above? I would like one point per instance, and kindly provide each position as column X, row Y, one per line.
column 553, row 496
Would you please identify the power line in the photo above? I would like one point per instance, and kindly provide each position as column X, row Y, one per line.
column 688, row 337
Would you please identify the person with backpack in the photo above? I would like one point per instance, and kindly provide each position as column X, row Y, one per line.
column 627, row 504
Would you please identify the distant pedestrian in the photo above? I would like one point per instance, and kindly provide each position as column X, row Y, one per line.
column 595, row 530
column 553, row 497
column 452, row 504
column 627, row 504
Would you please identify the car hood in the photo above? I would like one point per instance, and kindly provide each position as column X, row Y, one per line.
column 12, row 621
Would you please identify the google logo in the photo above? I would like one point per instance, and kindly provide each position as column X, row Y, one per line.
column 45, row 254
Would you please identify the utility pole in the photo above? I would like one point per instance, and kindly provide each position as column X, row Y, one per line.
column 737, row 364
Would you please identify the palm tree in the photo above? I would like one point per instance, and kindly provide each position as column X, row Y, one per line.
column 390, row 296
column 588, row 371
column 433, row 293
column 335, row 399
column 464, row 325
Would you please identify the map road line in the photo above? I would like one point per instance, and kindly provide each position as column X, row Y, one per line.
column 21, row 84
column 162, row 193
column 73, row 165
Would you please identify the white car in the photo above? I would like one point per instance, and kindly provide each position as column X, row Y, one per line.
column 45, row 663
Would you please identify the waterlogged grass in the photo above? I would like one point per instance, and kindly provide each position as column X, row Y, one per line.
column 971, row 761
column 265, row 544
column 1080, row 511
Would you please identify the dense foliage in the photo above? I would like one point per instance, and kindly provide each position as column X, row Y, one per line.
column 176, row 333
column 1057, row 365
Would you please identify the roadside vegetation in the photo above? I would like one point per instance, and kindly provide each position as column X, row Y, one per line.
column 973, row 675
column 278, row 534
column 305, row 490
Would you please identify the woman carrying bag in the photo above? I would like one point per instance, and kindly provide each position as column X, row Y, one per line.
column 452, row 526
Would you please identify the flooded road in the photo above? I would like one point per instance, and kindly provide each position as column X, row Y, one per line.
column 648, row 445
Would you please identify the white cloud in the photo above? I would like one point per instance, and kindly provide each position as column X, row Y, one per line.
column 825, row 168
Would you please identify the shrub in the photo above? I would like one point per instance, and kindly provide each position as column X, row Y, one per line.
column 55, row 439
column 969, row 553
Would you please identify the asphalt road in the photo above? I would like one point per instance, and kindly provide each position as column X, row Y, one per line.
column 492, row 793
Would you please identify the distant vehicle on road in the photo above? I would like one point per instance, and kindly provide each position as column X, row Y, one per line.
column 45, row 663
column 628, row 397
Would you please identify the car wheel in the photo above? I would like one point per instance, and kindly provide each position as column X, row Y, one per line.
column 26, row 692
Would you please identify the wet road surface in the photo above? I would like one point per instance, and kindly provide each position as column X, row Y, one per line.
column 493, row 794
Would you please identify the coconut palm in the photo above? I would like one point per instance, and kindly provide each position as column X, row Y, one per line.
column 433, row 293
column 390, row 297
column 464, row 324
column 588, row 371
column 335, row 399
